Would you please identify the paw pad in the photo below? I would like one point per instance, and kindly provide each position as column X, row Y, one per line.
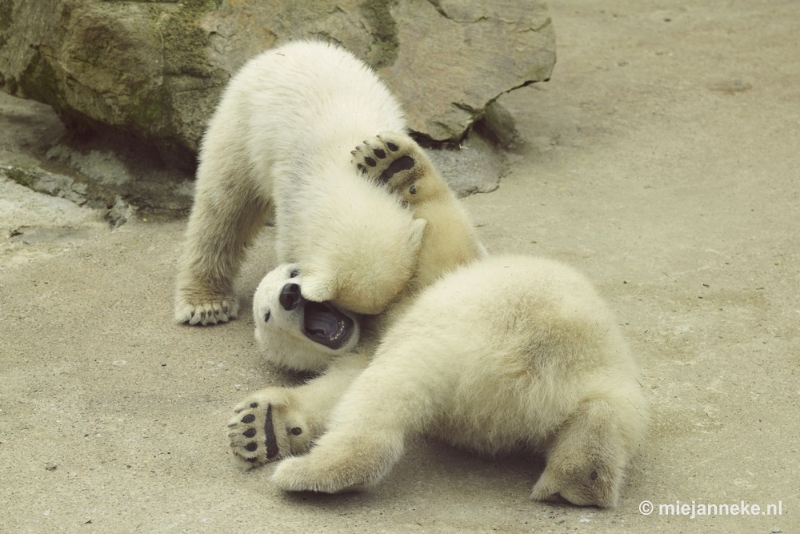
column 261, row 432
column 251, row 434
column 389, row 159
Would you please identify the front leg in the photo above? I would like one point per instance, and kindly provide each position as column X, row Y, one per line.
column 393, row 399
column 341, row 462
column 227, row 215
column 277, row 422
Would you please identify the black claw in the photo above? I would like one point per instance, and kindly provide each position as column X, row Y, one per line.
column 369, row 161
column 252, row 446
column 391, row 146
column 249, row 433
column 379, row 153
column 249, row 418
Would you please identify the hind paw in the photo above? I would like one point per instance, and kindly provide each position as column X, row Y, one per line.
column 394, row 160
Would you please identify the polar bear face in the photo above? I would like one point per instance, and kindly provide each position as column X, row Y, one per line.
column 295, row 332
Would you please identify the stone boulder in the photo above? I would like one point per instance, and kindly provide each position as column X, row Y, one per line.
column 154, row 71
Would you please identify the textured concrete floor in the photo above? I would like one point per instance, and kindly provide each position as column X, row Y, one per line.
column 663, row 160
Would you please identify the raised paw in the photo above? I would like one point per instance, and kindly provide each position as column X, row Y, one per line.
column 394, row 160
column 266, row 428
column 206, row 311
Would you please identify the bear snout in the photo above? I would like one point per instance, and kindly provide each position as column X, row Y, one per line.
column 290, row 296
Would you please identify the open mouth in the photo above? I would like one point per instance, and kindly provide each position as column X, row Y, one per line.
column 324, row 324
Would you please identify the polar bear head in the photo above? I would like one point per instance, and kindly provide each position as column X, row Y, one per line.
column 298, row 333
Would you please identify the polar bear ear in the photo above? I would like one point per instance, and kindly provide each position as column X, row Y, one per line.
column 317, row 287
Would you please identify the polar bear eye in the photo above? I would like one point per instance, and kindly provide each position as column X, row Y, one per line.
column 413, row 190
column 266, row 317
column 294, row 273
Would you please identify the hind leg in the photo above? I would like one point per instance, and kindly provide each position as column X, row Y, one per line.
column 228, row 213
column 585, row 464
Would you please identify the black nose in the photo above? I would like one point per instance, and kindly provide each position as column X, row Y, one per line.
column 290, row 296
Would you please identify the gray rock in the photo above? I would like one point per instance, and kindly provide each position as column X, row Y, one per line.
column 154, row 70
column 472, row 167
column 56, row 185
column 450, row 67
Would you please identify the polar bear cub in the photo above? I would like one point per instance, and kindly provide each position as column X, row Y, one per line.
column 505, row 351
column 278, row 145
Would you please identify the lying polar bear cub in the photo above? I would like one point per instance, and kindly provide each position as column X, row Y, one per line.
column 278, row 145
column 505, row 351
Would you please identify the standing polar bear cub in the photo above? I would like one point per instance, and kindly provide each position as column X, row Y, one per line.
column 278, row 145
column 504, row 351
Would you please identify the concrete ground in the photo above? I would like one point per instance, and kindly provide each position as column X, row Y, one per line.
column 663, row 160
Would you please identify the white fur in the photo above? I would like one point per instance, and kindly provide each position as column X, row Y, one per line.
column 506, row 351
column 279, row 142
column 449, row 239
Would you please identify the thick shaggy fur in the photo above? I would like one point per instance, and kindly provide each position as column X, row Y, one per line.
column 278, row 144
column 396, row 163
column 394, row 160
column 505, row 351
